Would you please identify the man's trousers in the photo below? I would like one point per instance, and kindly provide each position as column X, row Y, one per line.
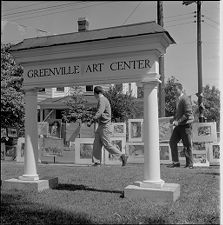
column 182, row 132
column 102, row 138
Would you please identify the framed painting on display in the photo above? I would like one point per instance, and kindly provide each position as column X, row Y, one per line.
column 214, row 152
column 55, row 128
column 135, row 129
column 120, row 143
column 165, row 128
column 84, row 150
column 200, row 158
column 118, row 129
column 165, row 153
column 204, row 132
column 135, row 151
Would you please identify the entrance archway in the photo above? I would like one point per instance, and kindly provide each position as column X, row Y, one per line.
column 113, row 55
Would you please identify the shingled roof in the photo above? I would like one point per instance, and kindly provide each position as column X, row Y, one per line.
column 130, row 30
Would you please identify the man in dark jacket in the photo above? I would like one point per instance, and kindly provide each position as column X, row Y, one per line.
column 103, row 132
column 183, row 129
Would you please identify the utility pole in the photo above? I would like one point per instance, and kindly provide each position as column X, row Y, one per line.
column 199, row 60
column 161, row 92
column 199, row 63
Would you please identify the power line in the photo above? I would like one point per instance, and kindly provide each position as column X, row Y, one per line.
column 211, row 20
column 40, row 9
column 176, row 20
column 11, row 9
column 180, row 15
column 22, row 17
column 211, row 25
column 131, row 13
column 180, row 24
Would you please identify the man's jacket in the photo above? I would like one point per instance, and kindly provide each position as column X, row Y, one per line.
column 184, row 114
column 103, row 114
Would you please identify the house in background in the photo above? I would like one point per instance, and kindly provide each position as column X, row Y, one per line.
column 52, row 101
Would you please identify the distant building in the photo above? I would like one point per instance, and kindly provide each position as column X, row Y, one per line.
column 52, row 101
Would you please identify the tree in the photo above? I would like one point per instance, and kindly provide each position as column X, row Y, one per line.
column 170, row 96
column 211, row 101
column 12, row 95
column 78, row 109
column 123, row 106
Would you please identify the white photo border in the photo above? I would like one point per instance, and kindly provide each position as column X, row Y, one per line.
column 169, row 153
column 200, row 164
column 117, row 134
column 211, row 156
column 136, row 139
column 204, row 138
column 77, row 144
column 106, row 153
column 134, row 159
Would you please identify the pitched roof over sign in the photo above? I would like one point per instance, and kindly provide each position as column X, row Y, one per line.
column 130, row 30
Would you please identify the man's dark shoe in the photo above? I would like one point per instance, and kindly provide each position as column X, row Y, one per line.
column 96, row 164
column 174, row 165
column 124, row 159
column 189, row 166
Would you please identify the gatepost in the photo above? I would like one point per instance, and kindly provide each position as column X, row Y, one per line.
column 90, row 58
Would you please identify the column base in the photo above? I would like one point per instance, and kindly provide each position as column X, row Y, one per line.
column 29, row 177
column 150, row 184
column 37, row 186
column 169, row 192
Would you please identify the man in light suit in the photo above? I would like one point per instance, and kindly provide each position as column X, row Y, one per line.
column 183, row 129
column 103, row 132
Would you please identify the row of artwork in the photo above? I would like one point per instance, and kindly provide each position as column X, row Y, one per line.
column 135, row 129
column 80, row 151
column 202, row 132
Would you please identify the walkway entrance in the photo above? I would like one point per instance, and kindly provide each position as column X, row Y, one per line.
column 113, row 55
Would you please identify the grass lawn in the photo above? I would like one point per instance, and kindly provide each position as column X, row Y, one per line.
column 93, row 195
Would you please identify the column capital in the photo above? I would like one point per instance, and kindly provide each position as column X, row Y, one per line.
column 151, row 78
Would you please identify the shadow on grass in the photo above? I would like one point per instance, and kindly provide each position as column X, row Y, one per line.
column 15, row 210
column 207, row 173
column 74, row 187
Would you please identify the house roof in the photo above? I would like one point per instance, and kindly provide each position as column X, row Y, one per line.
column 130, row 30
column 61, row 102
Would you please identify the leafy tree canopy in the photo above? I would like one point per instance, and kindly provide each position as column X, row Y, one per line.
column 211, row 101
column 123, row 106
column 170, row 96
column 12, row 96
column 78, row 109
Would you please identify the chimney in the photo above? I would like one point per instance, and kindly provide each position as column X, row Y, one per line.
column 83, row 24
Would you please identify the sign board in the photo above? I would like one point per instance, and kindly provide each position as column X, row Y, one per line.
column 103, row 69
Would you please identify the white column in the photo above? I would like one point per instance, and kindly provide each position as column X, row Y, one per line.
column 31, row 137
column 151, row 136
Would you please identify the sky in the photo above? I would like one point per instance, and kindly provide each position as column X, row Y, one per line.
column 25, row 19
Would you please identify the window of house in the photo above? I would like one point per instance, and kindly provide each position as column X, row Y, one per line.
column 89, row 87
column 42, row 90
column 59, row 113
column 60, row 89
